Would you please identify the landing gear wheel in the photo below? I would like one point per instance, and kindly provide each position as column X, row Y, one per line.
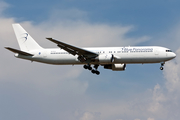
column 162, row 64
column 89, row 68
column 97, row 72
column 93, row 71
column 96, row 66
column 85, row 67
column 161, row 68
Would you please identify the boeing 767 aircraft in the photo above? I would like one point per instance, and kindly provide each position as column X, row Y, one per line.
column 113, row 58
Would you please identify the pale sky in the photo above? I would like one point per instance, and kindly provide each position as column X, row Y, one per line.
column 40, row 91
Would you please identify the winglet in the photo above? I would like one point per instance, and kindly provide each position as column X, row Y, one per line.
column 19, row 51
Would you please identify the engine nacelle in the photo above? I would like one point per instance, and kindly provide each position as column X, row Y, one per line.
column 104, row 58
column 116, row 67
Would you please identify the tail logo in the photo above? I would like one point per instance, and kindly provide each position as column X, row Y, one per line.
column 26, row 36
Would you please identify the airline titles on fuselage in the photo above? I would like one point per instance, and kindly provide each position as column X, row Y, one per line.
column 122, row 50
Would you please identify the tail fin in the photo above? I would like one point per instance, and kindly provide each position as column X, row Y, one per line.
column 25, row 41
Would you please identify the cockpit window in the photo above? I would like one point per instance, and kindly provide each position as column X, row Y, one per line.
column 168, row 50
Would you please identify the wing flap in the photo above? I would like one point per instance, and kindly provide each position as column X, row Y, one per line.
column 73, row 50
column 19, row 51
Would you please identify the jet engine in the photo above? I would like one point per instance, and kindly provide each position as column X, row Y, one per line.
column 116, row 67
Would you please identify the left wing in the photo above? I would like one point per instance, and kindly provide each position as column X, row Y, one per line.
column 74, row 50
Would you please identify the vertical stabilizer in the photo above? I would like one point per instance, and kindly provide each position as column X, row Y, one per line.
column 25, row 41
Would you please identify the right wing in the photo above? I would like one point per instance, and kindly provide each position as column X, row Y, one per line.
column 74, row 50
column 19, row 51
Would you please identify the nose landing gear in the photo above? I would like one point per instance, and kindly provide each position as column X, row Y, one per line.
column 162, row 64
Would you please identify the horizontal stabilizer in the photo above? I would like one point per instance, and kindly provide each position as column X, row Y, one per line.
column 19, row 51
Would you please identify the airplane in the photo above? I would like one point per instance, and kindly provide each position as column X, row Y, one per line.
column 113, row 58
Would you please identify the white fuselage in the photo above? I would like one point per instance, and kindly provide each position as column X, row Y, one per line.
column 113, row 58
column 125, row 55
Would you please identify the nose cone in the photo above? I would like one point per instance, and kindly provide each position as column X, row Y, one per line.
column 173, row 55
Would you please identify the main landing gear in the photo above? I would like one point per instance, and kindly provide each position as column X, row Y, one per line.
column 162, row 64
column 94, row 71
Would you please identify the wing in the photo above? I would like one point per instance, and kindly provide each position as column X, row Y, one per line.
column 74, row 50
column 19, row 51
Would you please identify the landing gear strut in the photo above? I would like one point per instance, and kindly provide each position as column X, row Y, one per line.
column 162, row 64
column 94, row 71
